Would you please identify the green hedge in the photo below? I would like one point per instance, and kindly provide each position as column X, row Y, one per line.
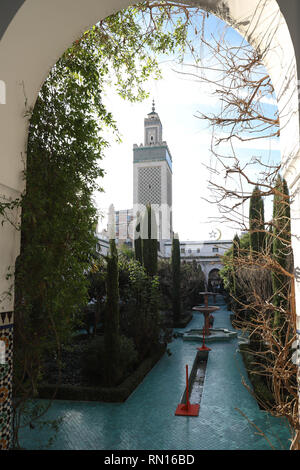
column 258, row 382
column 184, row 321
column 113, row 394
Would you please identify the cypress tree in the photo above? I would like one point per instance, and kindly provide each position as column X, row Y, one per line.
column 235, row 255
column 149, row 244
column 236, row 246
column 256, row 221
column 138, row 249
column 287, row 214
column 176, row 277
column 112, row 318
column 269, row 239
column 281, row 245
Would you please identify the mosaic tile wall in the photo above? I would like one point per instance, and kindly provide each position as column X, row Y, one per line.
column 149, row 185
column 6, row 343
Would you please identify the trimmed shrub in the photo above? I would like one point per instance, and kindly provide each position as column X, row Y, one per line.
column 176, row 280
column 94, row 360
column 107, row 394
column 112, row 319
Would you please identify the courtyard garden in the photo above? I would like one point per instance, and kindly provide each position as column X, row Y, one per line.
column 101, row 340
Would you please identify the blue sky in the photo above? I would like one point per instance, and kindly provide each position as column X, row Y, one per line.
column 179, row 99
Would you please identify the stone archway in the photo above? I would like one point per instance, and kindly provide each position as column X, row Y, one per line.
column 35, row 34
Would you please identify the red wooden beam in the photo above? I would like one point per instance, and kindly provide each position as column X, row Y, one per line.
column 186, row 409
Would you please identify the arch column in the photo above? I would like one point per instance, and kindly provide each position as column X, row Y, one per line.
column 9, row 250
column 10, row 190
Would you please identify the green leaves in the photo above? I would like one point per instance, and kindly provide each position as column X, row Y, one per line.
column 149, row 244
column 176, row 280
column 65, row 146
column 256, row 222
column 281, row 248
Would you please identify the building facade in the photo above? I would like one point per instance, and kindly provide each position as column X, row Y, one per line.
column 124, row 226
column 102, row 246
column 152, row 184
column 207, row 254
column 152, row 176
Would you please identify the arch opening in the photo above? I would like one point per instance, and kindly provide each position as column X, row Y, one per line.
column 238, row 16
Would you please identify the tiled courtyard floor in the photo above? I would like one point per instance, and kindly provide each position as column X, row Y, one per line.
column 146, row 420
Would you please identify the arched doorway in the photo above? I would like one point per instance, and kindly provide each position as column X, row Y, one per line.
column 214, row 280
column 28, row 49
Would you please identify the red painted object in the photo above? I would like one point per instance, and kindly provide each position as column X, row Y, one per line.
column 186, row 409
column 204, row 348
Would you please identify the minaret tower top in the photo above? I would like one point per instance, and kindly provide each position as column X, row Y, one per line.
column 153, row 128
column 152, row 175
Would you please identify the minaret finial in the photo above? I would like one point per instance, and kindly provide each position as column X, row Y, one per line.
column 153, row 106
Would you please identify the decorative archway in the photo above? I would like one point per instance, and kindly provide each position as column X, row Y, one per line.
column 35, row 34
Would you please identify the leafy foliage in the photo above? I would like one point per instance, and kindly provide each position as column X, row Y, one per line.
column 176, row 280
column 149, row 244
column 227, row 272
column 94, row 360
column 112, row 318
column 65, row 144
column 138, row 249
column 140, row 301
column 191, row 283
column 256, row 222
column 281, row 246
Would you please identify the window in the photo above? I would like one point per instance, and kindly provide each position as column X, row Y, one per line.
column 182, row 250
column 198, row 250
column 215, row 250
column 190, row 251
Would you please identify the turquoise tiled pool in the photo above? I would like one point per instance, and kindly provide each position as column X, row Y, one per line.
column 146, row 420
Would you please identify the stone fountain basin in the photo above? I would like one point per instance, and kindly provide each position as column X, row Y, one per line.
column 216, row 334
column 204, row 309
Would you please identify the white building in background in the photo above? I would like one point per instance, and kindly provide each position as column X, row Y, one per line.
column 124, row 226
column 207, row 254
